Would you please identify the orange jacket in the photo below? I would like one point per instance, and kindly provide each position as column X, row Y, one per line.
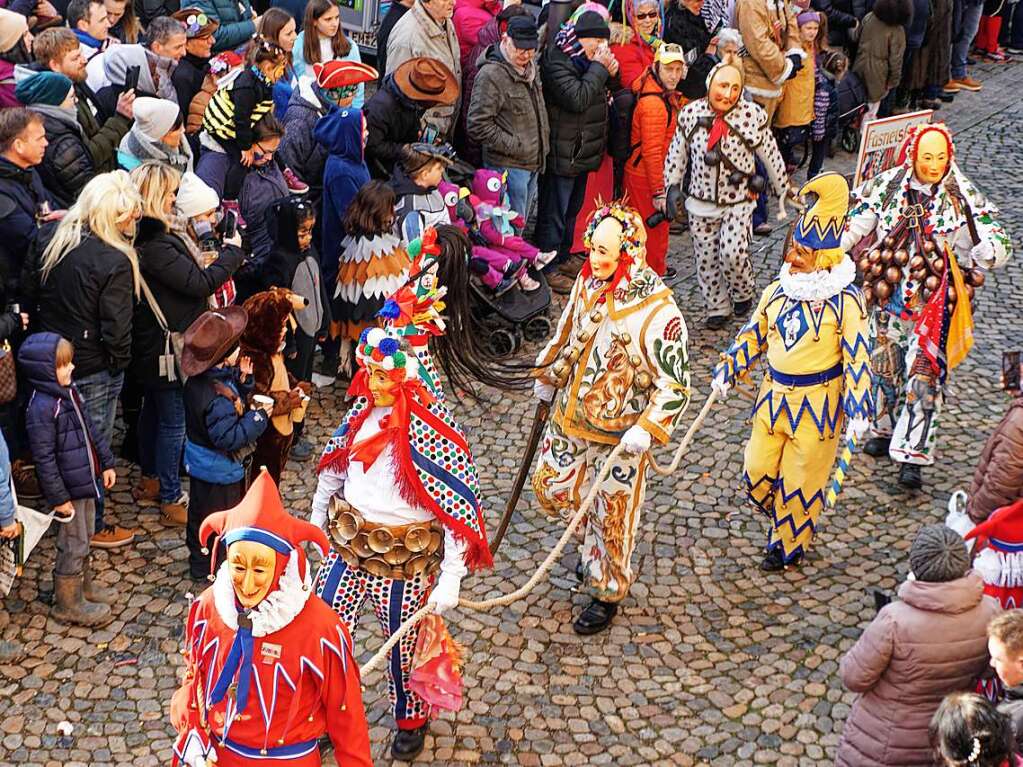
column 652, row 129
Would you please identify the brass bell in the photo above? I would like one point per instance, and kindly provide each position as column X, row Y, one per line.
column 560, row 369
column 397, row 555
column 380, row 540
column 349, row 556
column 415, row 566
column 635, row 360
column 584, row 336
column 417, row 539
column 347, row 525
column 570, row 355
column 377, row 566
column 626, row 338
column 436, row 541
column 596, row 316
column 336, row 506
column 361, row 546
column 643, row 379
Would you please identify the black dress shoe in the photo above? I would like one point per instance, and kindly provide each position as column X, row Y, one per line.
column 408, row 744
column 595, row 618
column 877, row 447
column 669, row 274
column 910, row 476
column 579, row 573
column 774, row 561
column 716, row 322
column 742, row 307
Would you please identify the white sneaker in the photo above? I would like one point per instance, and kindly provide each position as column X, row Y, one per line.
column 321, row 381
column 544, row 257
column 528, row 283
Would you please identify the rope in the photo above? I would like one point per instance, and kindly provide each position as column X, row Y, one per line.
column 554, row 555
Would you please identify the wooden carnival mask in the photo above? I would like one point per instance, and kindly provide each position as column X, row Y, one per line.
column 605, row 248
column 932, row 157
column 724, row 88
column 253, row 568
column 382, row 384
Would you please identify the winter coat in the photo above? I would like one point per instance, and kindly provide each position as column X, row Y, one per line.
column 233, row 111
column 67, row 164
column 842, row 17
column 21, row 190
column 766, row 65
column 931, row 65
column 507, row 116
column 394, row 14
column 188, row 79
column 577, row 109
column 181, row 288
column 303, row 68
column 262, row 187
column 7, row 97
column 1011, row 706
column 879, row 57
column 690, row 31
column 88, row 298
column 214, row 429
column 102, row 133
column 343, row 175
column 392, row 120
column 235, row 18
column 147, row 10
column 298, row 150
column 416, row 208
column 825, row 104
column 796, row 105
column 653, row 126
column 915, row 652
column 634, row 55
column 470, row 17
column 489, row 35
column 69, row 458
column 998, row 479
column 417, row 34
column 299, row 271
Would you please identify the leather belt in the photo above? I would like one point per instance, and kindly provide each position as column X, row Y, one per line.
column 808, row 379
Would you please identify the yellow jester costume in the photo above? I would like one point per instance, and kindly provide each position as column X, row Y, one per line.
column 811, row 324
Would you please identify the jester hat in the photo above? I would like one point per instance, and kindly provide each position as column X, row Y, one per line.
column 819, row 228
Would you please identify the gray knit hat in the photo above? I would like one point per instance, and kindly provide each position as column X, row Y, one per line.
column 939, row 554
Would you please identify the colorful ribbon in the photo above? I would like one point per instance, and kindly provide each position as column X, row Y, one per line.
column 238, row 663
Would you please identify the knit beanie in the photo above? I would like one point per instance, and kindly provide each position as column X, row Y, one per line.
column 43, row 88
column 939, row 554
column 195, row 196
column 155, row 117
column 13, row 27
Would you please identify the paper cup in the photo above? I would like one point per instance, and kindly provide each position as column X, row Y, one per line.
column 262, row 399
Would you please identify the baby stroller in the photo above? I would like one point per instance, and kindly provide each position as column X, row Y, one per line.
column 852, row 103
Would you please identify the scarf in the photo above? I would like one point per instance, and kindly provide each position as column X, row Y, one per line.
column 179, row 226
column 142, row 147
column 66, row 115
column 164, row 71
column 86, row 39
column 393, row 426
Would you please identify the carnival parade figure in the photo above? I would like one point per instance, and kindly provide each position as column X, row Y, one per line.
column 717, row 140
column 811, row 326
column 269, row 668
column 920, row 228
column 617, row 371
column 406, row 520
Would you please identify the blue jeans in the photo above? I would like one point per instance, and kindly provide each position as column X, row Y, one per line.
column 162, row 438
column 100, row 392
column 522, row 186
column 964, row 33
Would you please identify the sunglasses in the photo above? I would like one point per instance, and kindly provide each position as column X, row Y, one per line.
column 648, row 15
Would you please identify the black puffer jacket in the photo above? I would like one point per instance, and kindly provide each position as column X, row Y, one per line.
column 67, row 165
column 391, row 120
column 89, row 299
column 577, row 104
column 181, row 288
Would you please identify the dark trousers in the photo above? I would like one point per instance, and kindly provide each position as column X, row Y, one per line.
column 561, row 199
column 301, row 365
column 204, row 498
column 818, row 151
column 760, row 211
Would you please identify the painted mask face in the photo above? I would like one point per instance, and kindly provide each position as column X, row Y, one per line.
column 252, row 571
column 605, row 248
column 725, row 89
column 931, row 158
column 381, row 386
column 800, row 259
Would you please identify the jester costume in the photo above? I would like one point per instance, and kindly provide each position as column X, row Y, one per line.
column 406, row 516
column 812, row 329
column 262, row 685
column 901, row 211
column 619, row 360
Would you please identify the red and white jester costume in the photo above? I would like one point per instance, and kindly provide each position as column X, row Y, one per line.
column 269, row 666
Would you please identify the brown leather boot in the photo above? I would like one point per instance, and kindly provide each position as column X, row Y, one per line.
column 147, row 490
column 92, row 590
column 175, row 514
column 70, row 606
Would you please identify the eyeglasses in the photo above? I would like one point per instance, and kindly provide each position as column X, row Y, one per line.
column 649, row 15
column 259, row 151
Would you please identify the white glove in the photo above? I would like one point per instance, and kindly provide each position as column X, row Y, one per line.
column 543, row 391
column 445, row 594
column 636, row 440
column 318, row 518
column 720, row 385
column 983, row 254
column 196, row 753
column 859, row 426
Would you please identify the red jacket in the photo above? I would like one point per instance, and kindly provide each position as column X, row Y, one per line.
column 633, row 57
column 469, row 18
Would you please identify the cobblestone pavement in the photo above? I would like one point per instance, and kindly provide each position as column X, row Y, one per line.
column 709, row 662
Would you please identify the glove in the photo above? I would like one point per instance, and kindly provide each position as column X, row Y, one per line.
column 318, row 518
column 445, row 594
column 543, row 391
column 983, row 254
column 797, row 64
column 636, row 440
column 673, row 201
column 196, row 753
column 858, row 427
column 720, row 385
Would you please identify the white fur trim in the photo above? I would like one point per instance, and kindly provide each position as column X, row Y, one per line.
column 818, row 285
column 960, row 522
column 1000, row 569
column 275, row 612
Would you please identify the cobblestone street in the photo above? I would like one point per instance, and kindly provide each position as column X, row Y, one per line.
column 709, row 662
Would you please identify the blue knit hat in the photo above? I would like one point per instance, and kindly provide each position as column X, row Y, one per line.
column 43, row 88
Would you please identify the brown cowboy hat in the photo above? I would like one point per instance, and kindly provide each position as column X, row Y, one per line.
column 210, row 337
column 427, row 80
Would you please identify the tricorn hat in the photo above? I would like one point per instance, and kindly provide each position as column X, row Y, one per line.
column 210, row 337
column 427, row 80
column 341, row 74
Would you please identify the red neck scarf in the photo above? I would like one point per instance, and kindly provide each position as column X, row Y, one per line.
column 393, row 426
column 717, row 130
column 621, row 273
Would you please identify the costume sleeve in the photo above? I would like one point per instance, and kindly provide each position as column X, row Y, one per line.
column 748, row 345
column 561, row 333
column 677, row 160
column 857, row 401
column 770, row 156
column 866, row 662
column 342, row 700
column 330, row 483
column 664, row 345
column 453, row 563
column 863, row 216
column 757, row 35
column 184, row 711
column 989, row 228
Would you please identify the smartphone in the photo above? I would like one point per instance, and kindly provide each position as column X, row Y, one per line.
column 1010, row 371
column 131, row 78
column 230, row 224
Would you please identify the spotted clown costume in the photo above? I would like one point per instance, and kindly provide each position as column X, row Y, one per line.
column 410, row 524
column 900, row 209
column 811, row 328
column 619, row 360
column 263, row 685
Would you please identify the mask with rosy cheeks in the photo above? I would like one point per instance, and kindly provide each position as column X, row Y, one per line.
column 606, row 248
column 381, row 385
column 253, row 567
column 725, row 89
column 800, row 259
column 932, row 157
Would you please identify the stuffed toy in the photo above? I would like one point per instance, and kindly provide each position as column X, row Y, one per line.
column 457, row 203
column 270, row 314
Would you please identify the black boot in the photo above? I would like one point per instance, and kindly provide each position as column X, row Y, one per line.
column 877, row 447
column 595, row 618
column 742, row 307
column 580, row 574
column 408, row 744
column 716, row 322
column 774, row 561
column 910, row 476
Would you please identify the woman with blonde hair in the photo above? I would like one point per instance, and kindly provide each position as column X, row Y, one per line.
column 88, row 284
column 181, row 269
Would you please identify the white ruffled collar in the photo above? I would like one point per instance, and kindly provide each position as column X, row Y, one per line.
column 818, row 285
column 275, row 612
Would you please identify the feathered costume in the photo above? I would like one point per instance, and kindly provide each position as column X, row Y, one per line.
column 371, row 270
